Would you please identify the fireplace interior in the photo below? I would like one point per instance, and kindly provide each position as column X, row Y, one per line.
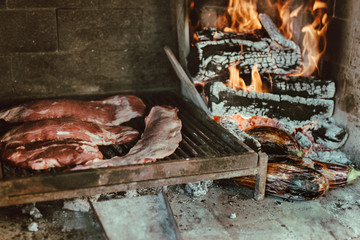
column 94, row 48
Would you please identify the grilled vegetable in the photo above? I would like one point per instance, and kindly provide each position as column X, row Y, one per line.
column 290, row 181
column 275, row 141
column 337, row 175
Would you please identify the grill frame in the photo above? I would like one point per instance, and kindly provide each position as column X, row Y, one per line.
column 207, row 152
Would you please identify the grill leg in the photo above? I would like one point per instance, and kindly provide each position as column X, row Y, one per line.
column 261, row 177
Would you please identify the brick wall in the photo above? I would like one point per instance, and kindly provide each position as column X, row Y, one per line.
column 71, row 47
column 343, row 65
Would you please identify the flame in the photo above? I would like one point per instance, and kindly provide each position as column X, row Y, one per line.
column 314, row 33
column 236, row 82
column 244, row 16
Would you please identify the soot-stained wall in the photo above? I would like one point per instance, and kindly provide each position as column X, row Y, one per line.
column 342, row 63
column 52, row 48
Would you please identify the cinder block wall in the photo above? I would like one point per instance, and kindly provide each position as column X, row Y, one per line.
column 54, row 48
column 343, row 65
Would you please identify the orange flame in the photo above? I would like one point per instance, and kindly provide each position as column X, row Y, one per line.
column 244, row 16
column 314, row 33
column 236, row 82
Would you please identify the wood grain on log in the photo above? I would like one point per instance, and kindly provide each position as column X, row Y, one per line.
column 274, row 54
column 290, row 85
column 300, row 86
column 295, row 111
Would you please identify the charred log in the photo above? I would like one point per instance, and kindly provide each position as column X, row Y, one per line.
column 291, row 85
column 233, row 128
column 301, row 86
column 296, row 111
column 274, row 54
column 326, row 133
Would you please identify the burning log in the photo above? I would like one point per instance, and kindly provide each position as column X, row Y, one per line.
column 296, row 111
column 276, row 54
column 300, row 86
column 291, row 85
column 233, row 128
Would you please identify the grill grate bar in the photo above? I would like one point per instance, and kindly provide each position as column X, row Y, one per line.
column 210, row 136
column 199, row 139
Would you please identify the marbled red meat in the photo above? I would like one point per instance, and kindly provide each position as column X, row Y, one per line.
column 49, row 154
column 111, row 111
column 160, row 139
column 68, row 128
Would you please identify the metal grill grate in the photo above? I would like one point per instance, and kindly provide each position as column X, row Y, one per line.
column 199, row 140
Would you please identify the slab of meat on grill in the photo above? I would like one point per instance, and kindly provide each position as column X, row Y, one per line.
column 49, row 154
column 111, row 111
column 68, row 128
column 160, row 139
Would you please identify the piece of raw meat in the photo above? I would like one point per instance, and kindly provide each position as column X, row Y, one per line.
column 49, row 154
column 68, row 128
column 111, row 111
column 160, row 139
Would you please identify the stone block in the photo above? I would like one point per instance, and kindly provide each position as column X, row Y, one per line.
column 28, row 31
column 347, row 9
column 355, row 54
column 338, row 42
column 105, row 29
column 54, row 74
column 2, row 4
column 136, row 70
column 121, row 3
column 52, row 3
column 349, row 91
column 5, row 80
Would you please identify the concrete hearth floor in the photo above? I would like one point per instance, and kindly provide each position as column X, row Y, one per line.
column 334, row 216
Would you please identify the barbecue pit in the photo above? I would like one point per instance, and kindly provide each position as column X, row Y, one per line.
column 90, row 48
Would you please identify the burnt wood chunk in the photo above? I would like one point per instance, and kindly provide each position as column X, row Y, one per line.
column 296, row 111
column 272, row 52
column 301, row 86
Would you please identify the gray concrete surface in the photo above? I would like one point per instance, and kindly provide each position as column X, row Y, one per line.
column 334, row 216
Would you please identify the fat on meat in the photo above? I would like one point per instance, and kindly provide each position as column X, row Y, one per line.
column 68, row 128
column 160, row 139
column 111, row 111
column 49, row 154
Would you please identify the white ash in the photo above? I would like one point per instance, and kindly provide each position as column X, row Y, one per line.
column 303, row 141
column 331, row 156
column 198, row 189
column 32, row 211
column 219, row 109
column 287, row 128
column 232, row 216
column 275, row 34
column 323, row 91
column 326, row 132
column 233, row 128
column 77, row 205
column 94, row 198
column 131, row 193
column 33, row 227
